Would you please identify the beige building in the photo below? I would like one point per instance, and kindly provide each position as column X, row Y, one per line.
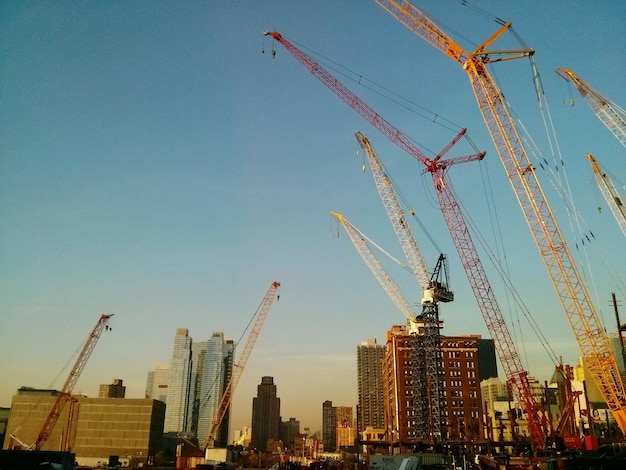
column 92, row 428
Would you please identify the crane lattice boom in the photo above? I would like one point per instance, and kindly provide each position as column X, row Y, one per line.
column 609, row 191
column 566, row 278
column 65, row 393
column 358, row 240
column 396, row 215
column 611, row 115
column 261, row 315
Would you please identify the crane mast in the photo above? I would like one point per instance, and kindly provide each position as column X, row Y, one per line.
column 608, row 190
column 425, row 340
column 611, row 115
column 428, row 394
column 65, row 394
column 582, row 316
column 464, row 244
column 261, row 315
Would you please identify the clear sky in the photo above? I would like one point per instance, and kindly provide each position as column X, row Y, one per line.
column 157, row 165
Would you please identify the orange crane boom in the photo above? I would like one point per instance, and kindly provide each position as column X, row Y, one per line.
column 611, row 115
column 65, row 393
column 261, row 315
column 572, row 293
column 459, row 231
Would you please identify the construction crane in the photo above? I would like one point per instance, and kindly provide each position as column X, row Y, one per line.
column 608, row 190
column 428, row 393
column 261, row 315
column 572, row 293
column 65, row 394
column 484, row 294
column 358, row 240
column 425, row 343
column 611, row 115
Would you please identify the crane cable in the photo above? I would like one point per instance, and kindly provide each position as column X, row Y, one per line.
column 558, row 177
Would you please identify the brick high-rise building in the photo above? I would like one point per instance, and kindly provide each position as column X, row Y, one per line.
column 371, row 412
column 462, row 409
column 265, row 414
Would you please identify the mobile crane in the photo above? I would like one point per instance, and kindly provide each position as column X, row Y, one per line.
column 611, row 115
column 225, row 401
column 539, row 425
column 583, row 318
column 64, row 395
column 609, row 191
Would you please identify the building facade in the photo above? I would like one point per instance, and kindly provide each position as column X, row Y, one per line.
column 156, row 385
column 92, row 428
column 329, row 426
column 462, row 410
column 214, row 374
column 289, row 430
column 113, row 390
column 265, row 414
column 371, row 412
column 179, row 385
column 345, row 431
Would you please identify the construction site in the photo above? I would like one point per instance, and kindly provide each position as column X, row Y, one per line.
column 437, row 414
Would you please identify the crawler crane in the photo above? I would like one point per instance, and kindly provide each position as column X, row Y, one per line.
column 611, row 115
column 261, row 315
column 484, row 294
column 608, row 190
column 64, row 395
column 583, row 318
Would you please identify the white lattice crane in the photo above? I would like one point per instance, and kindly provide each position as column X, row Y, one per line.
column 609, row 191
column 611, row 115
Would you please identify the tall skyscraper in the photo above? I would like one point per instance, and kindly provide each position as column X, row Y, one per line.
column 265, row 414
column 156, row 385
column 371, row 411
column 179, row 385
column 215, row 373
column 198, row 353
column 329, row 426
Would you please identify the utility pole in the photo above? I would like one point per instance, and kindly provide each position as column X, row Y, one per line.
column 619, row 328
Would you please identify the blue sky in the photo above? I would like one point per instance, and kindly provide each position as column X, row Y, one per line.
column 155, row 164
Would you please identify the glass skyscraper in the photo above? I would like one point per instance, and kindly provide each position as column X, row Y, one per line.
column 178, row 390
column 215, row 375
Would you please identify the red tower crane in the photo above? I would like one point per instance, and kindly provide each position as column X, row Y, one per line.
column 65, row 393
column 505, row 347
column 583, row 318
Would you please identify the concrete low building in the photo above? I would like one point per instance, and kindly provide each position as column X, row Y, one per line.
column 94, row 429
